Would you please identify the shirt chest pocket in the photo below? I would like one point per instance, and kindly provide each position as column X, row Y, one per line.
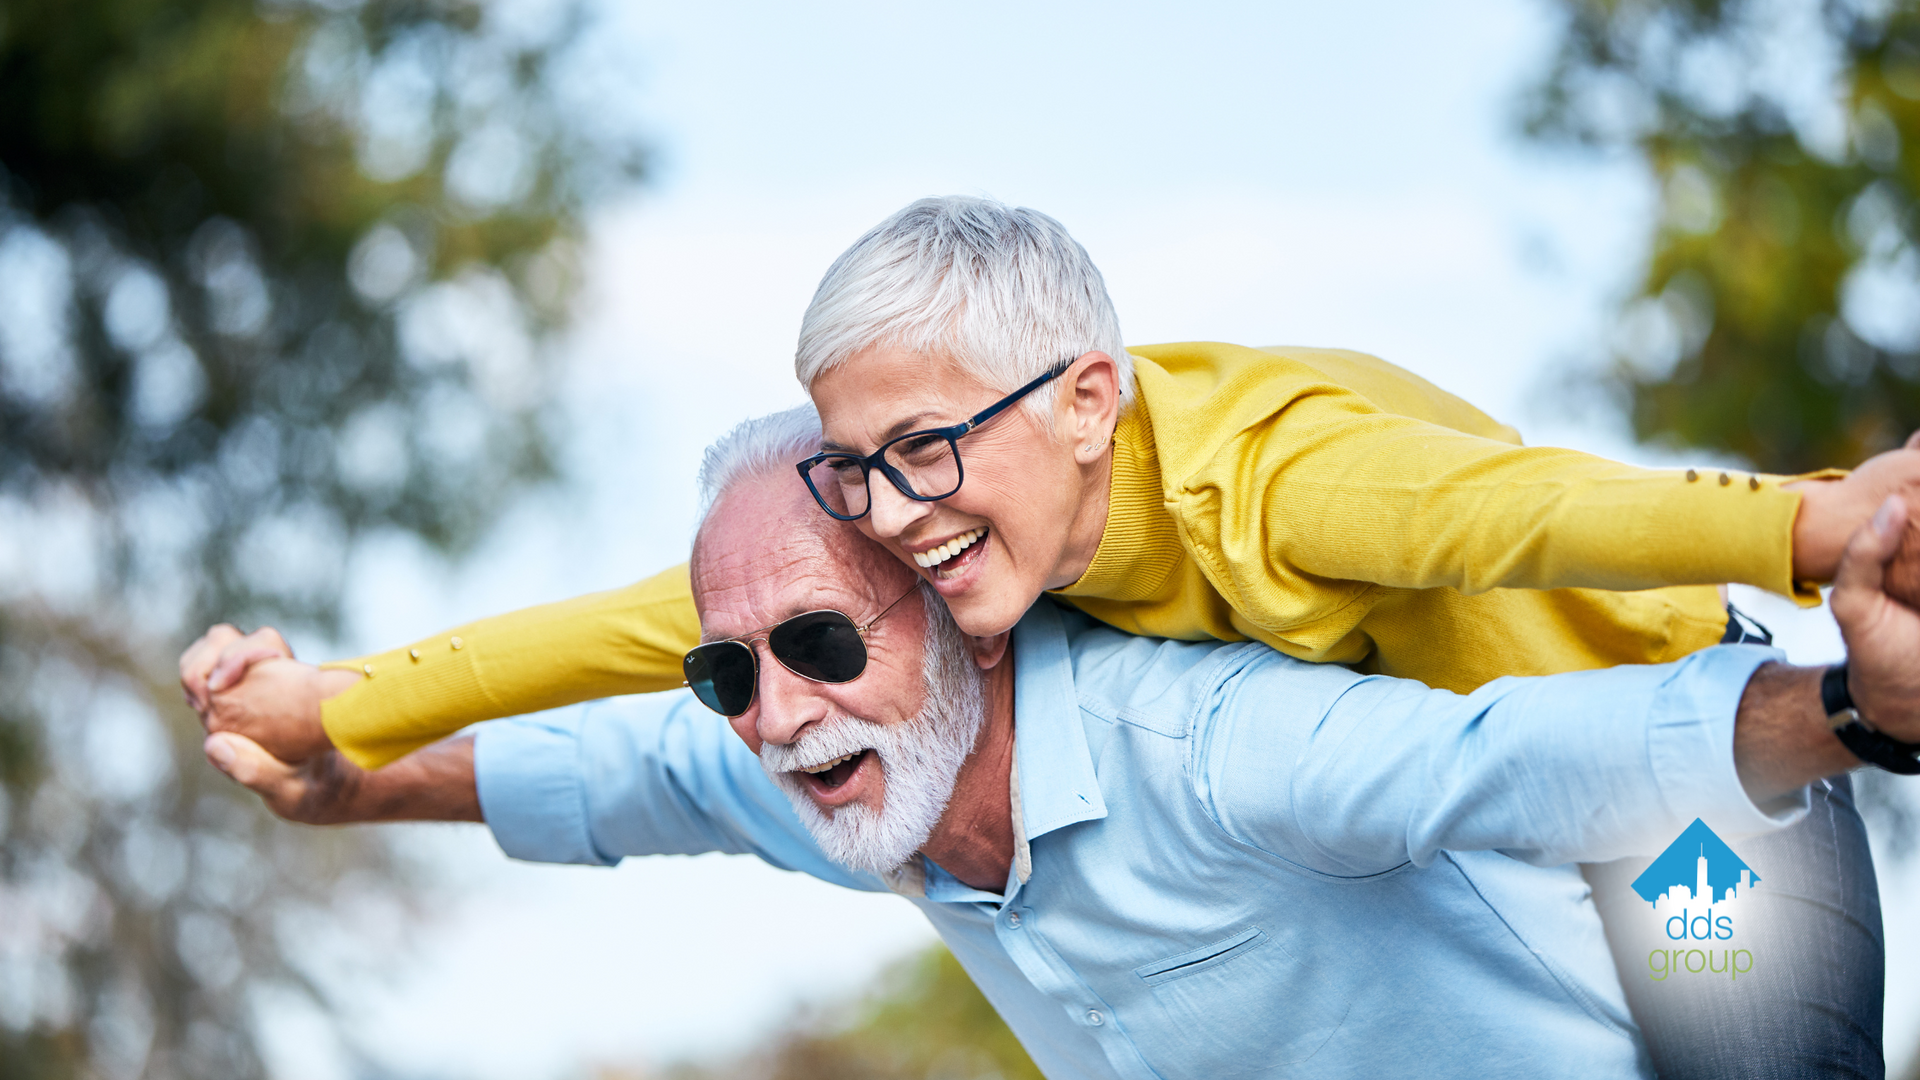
column 1239, row 1007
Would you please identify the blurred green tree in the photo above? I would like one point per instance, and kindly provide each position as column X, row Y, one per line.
column 274, row 276
column 922, row 1019
column 1779, row 314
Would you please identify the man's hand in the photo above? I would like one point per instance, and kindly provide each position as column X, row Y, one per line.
column 1832, row 511
column 1782, row 740
column 1882, row 634
column 250, row 685
column 433, row 784
column 319, row 791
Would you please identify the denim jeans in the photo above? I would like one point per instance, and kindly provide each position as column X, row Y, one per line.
column 1812, row 1006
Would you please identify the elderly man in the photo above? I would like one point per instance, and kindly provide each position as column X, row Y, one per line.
column 1160, row 859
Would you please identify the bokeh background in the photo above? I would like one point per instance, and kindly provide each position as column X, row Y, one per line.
column 365, row 317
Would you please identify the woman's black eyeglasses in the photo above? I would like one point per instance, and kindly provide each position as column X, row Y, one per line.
column 923, row 465
column 820, row 646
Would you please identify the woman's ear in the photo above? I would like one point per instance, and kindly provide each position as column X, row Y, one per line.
column 989, row 651
column 1093, row 404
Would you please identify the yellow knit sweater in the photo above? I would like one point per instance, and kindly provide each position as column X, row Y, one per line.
column 1325, row 502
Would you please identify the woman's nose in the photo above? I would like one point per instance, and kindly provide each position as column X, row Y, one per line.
column 890, row 511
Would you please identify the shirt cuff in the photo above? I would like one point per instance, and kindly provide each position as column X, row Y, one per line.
column 531, row 790
column 1690, row 744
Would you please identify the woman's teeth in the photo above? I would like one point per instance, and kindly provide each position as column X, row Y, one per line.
column 825, row 765
column 948, row 550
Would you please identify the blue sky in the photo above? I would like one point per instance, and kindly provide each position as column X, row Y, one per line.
column 1318, row 174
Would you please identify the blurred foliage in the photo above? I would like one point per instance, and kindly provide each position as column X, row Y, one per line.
column 273, row 277
column 923, row 1020
column 1779, row 316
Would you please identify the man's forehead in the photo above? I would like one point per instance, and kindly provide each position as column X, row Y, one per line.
column 754, row 562
column 766, row 567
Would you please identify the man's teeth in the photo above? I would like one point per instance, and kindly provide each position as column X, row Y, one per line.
column 948, row 550
column 825, row 765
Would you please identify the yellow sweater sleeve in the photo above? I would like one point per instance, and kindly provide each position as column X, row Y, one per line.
column 1307, row 492
column 625, row 641
column 1331, row 489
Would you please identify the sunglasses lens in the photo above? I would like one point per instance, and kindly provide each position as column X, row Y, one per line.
column 820, row 645
column 722, row 676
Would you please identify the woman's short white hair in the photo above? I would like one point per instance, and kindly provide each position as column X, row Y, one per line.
column 764, row 446
column 1004, row 291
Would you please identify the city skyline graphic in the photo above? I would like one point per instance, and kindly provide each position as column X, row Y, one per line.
column 1697, row 867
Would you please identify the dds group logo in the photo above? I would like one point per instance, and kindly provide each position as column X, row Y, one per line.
column 1696, row 888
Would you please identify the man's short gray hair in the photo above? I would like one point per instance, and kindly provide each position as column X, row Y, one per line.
column 764, row 446
column 1004, row 291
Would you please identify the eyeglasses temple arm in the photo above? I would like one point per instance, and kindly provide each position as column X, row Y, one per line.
column 1000, row 406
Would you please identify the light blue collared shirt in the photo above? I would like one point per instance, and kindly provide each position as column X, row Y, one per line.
column 1230, row 863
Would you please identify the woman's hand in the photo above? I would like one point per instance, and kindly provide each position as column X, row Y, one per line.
column 250, row 685
column 1832, row 511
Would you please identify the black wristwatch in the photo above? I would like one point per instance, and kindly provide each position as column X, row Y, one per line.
column 1867, row 744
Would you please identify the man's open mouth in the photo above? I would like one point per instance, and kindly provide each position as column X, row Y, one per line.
column 832, row 774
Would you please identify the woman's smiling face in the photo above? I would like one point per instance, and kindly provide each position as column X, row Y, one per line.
column 1029, row 513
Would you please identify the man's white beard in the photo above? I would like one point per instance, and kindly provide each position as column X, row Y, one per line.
column 921, row 758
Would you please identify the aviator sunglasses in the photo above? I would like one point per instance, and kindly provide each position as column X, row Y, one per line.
column 820, row 646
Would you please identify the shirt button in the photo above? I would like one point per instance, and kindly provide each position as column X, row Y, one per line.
column 1013, row 919
column 1094, row 1017
column 415, row 653
column 1692, row 476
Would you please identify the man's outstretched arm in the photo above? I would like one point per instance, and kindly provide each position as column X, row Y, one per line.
column 435, row 783
column 1583, row 766
column 589, row 785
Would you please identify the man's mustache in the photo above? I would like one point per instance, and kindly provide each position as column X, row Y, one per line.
column 828, row 739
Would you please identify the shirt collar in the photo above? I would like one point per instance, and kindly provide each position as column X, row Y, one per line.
column 1054, row 784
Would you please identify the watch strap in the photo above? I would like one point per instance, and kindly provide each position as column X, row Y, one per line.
column 1867, row 744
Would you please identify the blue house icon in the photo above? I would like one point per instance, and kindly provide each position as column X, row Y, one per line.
column 1680, row 865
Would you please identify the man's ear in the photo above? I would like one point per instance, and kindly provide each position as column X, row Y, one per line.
column 989, row 651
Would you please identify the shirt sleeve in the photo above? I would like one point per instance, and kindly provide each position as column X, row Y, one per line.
column 625, row 641
column 658, row 775
column 1580, row 767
